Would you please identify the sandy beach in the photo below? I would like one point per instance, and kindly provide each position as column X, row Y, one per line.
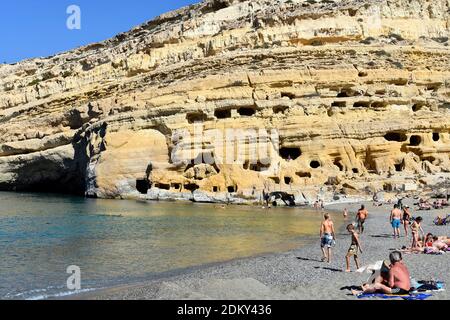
column 298, row 274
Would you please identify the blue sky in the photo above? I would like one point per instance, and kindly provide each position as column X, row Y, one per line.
column 37, row 28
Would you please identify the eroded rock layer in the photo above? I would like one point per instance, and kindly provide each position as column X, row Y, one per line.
column 358, row 93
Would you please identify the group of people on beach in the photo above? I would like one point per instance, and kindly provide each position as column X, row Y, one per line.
column 394, row 277
column 327, row 236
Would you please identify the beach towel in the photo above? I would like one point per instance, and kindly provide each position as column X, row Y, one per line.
column 418, row 296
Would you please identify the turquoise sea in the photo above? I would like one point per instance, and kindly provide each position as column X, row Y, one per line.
column 119, row 242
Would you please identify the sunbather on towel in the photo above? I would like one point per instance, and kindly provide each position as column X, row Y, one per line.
column 398, row 279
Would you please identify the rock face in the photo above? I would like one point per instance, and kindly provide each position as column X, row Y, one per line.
column 342, row 95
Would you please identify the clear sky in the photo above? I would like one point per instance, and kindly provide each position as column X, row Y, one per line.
column 37, row 28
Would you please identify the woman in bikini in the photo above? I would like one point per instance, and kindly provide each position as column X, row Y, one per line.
column 406, row 219
column 415, row 228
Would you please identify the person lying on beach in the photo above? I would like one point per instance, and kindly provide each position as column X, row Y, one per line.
column 415, row 228
column 354, row 248
column 327, row 237
column 361, row 217
column 395, row 219
column 398, row 279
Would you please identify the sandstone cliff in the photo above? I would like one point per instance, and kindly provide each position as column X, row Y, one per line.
column 358, row 92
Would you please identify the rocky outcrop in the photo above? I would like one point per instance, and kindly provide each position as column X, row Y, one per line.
column 342, row 95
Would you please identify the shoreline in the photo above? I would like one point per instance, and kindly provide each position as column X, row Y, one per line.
column 294, row 274
column 176, row 273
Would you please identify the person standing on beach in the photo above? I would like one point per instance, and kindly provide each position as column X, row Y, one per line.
column 327, row 237
column 361, row 217
column 354, row 248
column 345, row 213
column 396, row 220
column 406, row 219
column 415, row 228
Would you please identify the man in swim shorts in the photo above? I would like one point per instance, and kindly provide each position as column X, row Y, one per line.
column 399, row 282
column 361, row 217
column 327, row 237
column 396, row 220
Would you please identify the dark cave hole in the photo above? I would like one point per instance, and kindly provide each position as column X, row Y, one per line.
column 290, row 153
column 314, row 164
column 247, row 112
column 196, row 117
column 415, row 140
column 396, row 136
column 191, row 187
column 303, row 174
column 222, row 113
column 436, row 136
column 142, row 185
column 287, row 180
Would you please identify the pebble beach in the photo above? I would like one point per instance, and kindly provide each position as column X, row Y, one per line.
column 298, row 274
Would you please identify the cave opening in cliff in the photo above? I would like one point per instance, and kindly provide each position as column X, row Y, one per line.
column 415, row 140
column 176, row 186
column 396, row 136
column 275, row 179
column 436, row 136
column 287, row 95
column 222, row 113
column 361, row 104
column 162, row 186
column 355, row 170
column 196, row 117
column 337, row 163
column 303, row 174
column 215, row 189
column 191, row 187
column 247, row 111
column 280, row 109
column 258, row 167
column 314, row 164
column 232, row 189
column 339, row 104
column 142, row 185
column 417, row 107
column 399, row 167
column 429, row 159
column 287, row 180
column 290, row 153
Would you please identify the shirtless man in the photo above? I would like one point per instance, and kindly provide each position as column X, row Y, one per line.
column 398, row 280
column 396, row 220
column 361, row 217
column 327, row 237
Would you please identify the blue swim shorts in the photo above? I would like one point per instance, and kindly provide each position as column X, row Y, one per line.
column 326, row 241
column 396, row 223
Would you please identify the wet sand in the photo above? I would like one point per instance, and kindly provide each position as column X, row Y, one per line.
column 298, row 274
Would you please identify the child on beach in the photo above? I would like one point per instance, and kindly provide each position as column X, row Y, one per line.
column 354, row 247
column 345, row 213
column 327, row 237
column 415, row 227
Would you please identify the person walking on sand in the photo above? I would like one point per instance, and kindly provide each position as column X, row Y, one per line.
column 354, row 248
column 406, row 219
column 327, row 237
column 395, row 219
column 361, row 217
